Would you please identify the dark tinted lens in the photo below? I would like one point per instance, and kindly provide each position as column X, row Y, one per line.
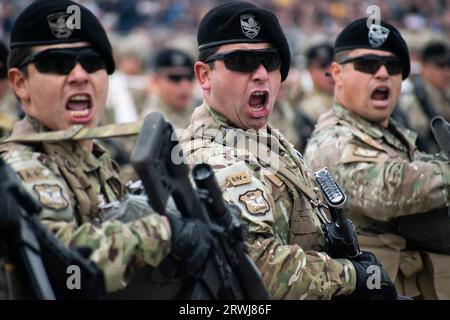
column 394, row 67
column 241, row 61
column 367, row 65
column 54, row 62
column 271, row 61
column 372, row 64
column 442, row 63
column 179, row 77
column 249, row 61
column 92, row 62
column 64, row 60
column 3, row 72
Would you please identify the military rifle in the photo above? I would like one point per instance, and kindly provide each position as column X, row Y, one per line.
column 340, row 233
column 41, row 259
column 158, row 160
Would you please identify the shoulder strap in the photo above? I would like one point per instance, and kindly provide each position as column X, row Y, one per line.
column 78, row 132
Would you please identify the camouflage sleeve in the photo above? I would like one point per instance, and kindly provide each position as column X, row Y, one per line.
column 288, row 271
column 378, row 186
column 117, row 247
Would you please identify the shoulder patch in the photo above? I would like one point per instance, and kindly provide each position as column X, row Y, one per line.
column 354, row 153
column 51, row 196
column 255, row 202
column 239, row 178
column 32, row 174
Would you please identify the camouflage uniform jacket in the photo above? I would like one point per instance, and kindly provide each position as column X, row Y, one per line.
column 316, row 103
column 72, row 184
column 279, row 205
column 384, row 177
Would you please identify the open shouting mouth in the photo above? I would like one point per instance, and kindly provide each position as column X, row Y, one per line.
column 380, row 96
column 79, row 107
column 258, row 104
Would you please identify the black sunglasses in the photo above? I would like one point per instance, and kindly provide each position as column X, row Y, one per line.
column 248, row 60
column 179, row 77
column 371, row 64
column 442, row 63
column 62, row 61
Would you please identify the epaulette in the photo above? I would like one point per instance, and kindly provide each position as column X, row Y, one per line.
column 79, row 132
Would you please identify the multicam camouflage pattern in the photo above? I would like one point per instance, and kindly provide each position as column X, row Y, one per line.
column 279, row 205
column 316, row 103
column 73, row 185
column 282, row 119
column 384, row 177
column 178, row 118
column 417, row 119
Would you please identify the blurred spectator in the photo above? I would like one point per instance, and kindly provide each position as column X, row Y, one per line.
column 173, row 84
column 320, row 99
column 429, row 95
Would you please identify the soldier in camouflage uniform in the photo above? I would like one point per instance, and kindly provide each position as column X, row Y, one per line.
column 173, row 81
column 244, row 57
column 320, row 99
column 60, row 76
column 429, row 95
column 388, row 182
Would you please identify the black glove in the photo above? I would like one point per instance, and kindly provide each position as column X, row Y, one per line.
column 191, row 243
column 368, row 287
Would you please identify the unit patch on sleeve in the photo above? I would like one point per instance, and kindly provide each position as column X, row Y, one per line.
column 255, row 202
column 51, row 196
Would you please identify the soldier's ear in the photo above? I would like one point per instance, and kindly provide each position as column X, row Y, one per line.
column 18, row 82
column 203, row 75
column 336, row 72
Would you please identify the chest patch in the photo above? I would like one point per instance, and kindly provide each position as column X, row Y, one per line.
column 32, row 174
column 255, row 202
column 239, row 178
column 51, row 196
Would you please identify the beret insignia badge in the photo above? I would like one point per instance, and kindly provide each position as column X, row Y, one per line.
column 250, row 26
column 377, row 35
column 57, row 23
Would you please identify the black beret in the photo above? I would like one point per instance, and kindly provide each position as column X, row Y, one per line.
column 50, row 22
column 169, row 57
column 242, row 22
column 322, row 53
column 3, row 60
column 387, row 38
column 434, row 51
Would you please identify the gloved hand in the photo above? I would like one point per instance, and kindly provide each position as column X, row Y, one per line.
column 191, row 244
column 373, row 283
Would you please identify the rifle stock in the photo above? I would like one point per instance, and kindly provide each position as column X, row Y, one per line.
column 441, row 132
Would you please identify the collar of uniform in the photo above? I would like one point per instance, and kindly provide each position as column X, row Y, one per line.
column 373, row 130
column 376, row 131
column 218, row 117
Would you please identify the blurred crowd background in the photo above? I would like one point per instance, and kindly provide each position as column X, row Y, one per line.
column 139, row 29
